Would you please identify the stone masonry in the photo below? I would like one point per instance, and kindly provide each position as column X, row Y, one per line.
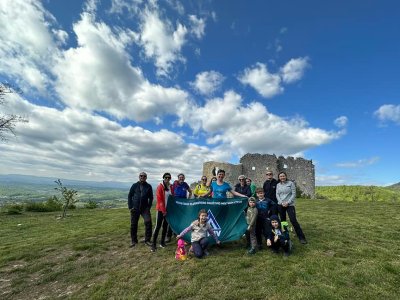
column 254, row 166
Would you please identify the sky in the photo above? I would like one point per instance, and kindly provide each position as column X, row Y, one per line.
column 112, row 88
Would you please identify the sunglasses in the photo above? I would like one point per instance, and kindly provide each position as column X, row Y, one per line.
column 167, row 177
column 204, row 179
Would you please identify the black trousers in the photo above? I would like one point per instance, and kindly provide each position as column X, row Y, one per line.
column 263, row 227
column 147, row 224
column 161, row 221
column 291, row 211
column 280, row 243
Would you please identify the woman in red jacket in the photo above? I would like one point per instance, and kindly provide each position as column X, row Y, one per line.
column 162, row 193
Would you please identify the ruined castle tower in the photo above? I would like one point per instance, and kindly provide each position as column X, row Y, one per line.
column 254, row 166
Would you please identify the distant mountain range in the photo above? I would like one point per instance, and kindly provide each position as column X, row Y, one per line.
column 15, row 179
column 395, row 186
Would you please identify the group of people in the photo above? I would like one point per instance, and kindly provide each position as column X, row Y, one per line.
column 264, row 205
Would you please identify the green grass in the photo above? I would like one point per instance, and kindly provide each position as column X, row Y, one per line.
column 358, row 193
column 353, row 253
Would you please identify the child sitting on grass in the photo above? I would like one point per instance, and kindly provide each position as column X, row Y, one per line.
column 251, row 218
column 199, row 239
column 278, row 237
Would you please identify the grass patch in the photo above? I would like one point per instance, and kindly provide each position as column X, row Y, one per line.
column 352, row 253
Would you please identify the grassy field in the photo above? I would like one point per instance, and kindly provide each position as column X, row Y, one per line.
column 353, row 253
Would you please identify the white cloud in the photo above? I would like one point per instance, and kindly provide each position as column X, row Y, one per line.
column 294, row 69
column 198, row 26
column 266, row 83
column 269, row 84
column 98, row 75
column 388, row 112
column 341, row 121
column 359, row 163
column 119, row 6
column 207, row 83
column 28, row 45
column 72, row 144
column 161, row 41
column 330, row 180
column 240, row 129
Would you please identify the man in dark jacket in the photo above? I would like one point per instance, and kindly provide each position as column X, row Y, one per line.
column 140, row 199
column 269, row 188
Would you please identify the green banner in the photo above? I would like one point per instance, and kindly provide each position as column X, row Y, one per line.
column 226, row 216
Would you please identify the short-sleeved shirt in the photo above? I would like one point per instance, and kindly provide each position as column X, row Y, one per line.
column 201, row 190
column 180, row 189
column 219, row 191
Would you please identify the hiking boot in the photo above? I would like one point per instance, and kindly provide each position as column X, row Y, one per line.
column 252, row 251
column 303, row 241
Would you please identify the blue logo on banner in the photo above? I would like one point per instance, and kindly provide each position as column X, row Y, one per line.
column 213, row 222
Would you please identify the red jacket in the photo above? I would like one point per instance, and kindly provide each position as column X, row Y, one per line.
column 160, row 195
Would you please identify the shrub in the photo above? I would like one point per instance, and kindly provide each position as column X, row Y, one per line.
column 13, row 209
column 91, row 204
column 51, row 204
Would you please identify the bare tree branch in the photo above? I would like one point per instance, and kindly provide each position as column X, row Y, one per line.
column 8, row 122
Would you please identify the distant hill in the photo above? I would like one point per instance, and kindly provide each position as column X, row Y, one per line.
column 15, row 179
column 395, row 186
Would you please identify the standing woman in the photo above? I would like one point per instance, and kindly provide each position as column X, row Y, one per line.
column 242, row 186
column 219, row 188
column 162, row 193
column 286, row 195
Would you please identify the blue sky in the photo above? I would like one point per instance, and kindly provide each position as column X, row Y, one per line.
column 115, row 87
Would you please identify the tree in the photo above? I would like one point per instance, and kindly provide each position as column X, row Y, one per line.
column 8, row 122
column 68, row 196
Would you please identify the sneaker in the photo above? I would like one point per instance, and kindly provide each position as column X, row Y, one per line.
column 251, row 251
column 168, row 239
column 259, row 247
column 143, row 240
column 153, row 248
column 286, row 254
column 162, row 245
column 303, row 241
column 132, row 245
column 206, row 253
column 148, row 243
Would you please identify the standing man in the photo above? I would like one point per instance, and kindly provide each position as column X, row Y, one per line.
column 140, row 199
column 269, row 188
column 180, row 188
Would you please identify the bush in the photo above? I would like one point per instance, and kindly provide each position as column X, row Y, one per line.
column 91, row 204
column 13, row 209
column 51, row 204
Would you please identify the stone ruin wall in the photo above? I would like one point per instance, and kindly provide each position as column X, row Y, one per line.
column 232, row 172
column 255, row 166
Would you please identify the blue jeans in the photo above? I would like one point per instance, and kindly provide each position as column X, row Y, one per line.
column 199, row 247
